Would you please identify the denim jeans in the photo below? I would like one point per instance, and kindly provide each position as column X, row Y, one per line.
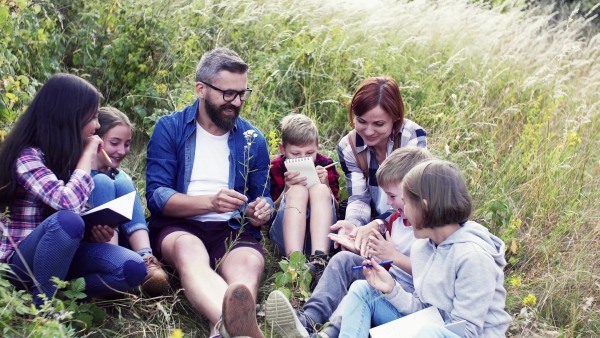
column 331, row 289
column 55, row 248
column 365, row 307
column 107, row 189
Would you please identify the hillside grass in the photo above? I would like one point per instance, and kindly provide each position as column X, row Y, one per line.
column 511, row 95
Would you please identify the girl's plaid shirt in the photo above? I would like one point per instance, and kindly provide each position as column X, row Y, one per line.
column 37, row 188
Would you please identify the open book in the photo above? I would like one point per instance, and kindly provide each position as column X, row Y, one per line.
column 306, row 167
column 113, row 213
column 408, row 326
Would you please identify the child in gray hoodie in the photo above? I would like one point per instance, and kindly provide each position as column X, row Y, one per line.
column 457, row 264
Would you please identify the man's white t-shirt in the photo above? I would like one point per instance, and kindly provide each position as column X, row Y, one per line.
column 210, row 172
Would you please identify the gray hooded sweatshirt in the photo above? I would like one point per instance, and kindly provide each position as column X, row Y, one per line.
column 462, row 277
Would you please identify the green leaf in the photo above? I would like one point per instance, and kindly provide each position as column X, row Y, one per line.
column 3, row 15
column 99, row 315
column 78, row 284
column 74, row 294
column 86, row 318
column 297, row 258
column 24, row 79
column 286, row 292
column 284, row 265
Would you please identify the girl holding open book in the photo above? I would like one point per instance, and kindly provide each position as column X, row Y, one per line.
column 456, row 264
column 111, row 183
column 45, row 183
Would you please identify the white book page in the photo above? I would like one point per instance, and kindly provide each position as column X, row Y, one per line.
column 122, row 205
column 306, row 167
column 408, row 326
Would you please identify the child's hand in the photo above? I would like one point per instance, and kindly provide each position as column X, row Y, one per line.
column 345, row 241
column 93, row 145
column 378, row 277
column 377, row 246
column 322, row 173
column 293, row 178
column 101, row 233
column 344, row 228
column 362, row 237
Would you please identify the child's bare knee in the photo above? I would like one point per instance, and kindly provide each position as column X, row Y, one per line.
column 319, row 191
column 296, row 193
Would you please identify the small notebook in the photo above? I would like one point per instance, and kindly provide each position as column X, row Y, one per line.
column 306, row 167
column 409, row 325
column 113, row 213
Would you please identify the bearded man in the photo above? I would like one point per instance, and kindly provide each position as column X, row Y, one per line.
column 207, row 191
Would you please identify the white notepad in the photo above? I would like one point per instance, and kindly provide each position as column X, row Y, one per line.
column 306, row 167
column 408, row 326
column 113, row 213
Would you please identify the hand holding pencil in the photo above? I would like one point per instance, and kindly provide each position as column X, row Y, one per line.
column 378, row 277
column 322, row 173
column 330, row 165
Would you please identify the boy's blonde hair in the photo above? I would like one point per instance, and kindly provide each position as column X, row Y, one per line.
column 298, row 130
column 392, row 171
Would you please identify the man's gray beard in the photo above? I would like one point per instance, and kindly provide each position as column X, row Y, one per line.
column 224, row 122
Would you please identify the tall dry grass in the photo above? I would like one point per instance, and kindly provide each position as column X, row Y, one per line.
column 509, row 94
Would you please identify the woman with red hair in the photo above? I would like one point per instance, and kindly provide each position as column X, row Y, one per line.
column 376, row 114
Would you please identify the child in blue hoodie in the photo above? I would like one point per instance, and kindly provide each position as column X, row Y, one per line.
column 457, row 264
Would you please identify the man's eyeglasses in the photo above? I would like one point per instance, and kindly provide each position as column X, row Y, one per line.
column 230, row 95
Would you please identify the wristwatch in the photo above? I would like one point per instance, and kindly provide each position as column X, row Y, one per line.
column 382, row 225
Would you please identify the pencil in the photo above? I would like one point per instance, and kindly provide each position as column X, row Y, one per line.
column 330, row 165
column 360, row 267
column 106, row 156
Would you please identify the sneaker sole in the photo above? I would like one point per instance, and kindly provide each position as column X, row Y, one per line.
column 239, row 312
column 157, row 285
column 280, row 315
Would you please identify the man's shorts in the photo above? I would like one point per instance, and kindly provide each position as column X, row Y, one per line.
column 216, row 236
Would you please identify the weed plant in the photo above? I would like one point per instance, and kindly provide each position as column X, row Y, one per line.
column 510, row 94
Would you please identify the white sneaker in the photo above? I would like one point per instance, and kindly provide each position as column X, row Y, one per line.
column 282, row 317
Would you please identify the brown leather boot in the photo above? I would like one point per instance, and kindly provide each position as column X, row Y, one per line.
column 156, row 281
column 239, row 313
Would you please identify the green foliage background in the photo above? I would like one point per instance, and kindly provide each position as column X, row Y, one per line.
column 509, row 93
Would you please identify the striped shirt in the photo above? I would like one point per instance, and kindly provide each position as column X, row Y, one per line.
column 364, row 192
column 38, row 187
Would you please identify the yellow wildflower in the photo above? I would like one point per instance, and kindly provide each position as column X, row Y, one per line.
column 515, row 280
column 573, row 138
column 530, row 300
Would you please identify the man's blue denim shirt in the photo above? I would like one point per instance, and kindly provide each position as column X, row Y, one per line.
column 171, row 156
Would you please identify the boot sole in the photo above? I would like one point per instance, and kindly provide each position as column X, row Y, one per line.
column 157, row 285
column 239, row 312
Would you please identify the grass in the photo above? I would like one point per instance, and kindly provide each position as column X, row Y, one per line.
column 511, row 95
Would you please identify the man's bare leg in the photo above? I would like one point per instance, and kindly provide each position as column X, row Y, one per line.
column 203, row 287
column 243, row 265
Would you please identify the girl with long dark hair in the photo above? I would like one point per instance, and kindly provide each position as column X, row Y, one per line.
column 45, row 182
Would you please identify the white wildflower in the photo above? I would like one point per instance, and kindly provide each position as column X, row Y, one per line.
column 250, row 135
